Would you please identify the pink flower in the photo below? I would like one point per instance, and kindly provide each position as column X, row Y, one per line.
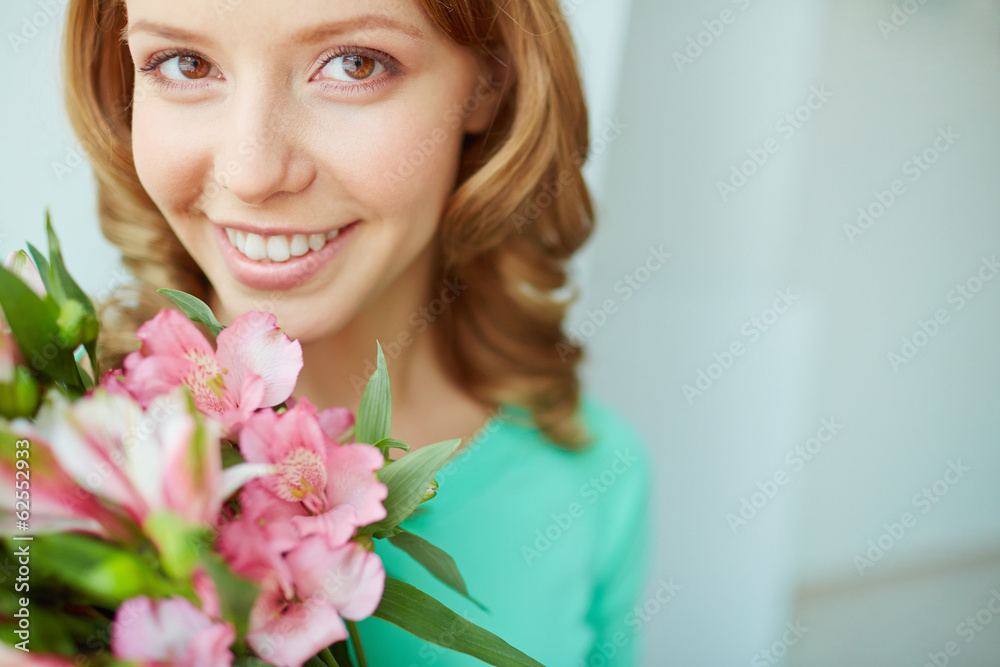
column 256, row 365
column 171, row 631
column 143, row 461
column 330, row 583
column 314, row 471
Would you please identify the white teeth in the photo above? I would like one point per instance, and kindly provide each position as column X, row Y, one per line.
column 299, row 245
column 277, row 249
column 256, row 248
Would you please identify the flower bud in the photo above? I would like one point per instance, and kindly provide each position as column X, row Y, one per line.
column 76, row 325
column 431, row 491
column 20, row 397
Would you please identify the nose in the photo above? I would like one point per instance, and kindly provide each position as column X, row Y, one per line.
column 259, row 155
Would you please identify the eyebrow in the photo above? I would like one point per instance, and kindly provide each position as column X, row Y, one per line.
column 309, row 36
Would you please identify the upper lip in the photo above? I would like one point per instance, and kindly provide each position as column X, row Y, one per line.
column 276, row 230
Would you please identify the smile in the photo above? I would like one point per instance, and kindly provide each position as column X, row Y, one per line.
column 280, row 261
column 279, row 248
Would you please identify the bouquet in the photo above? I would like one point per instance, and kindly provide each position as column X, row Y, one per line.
column 185, row 510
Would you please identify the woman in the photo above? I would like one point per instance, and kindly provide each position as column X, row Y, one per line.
column 404, row 171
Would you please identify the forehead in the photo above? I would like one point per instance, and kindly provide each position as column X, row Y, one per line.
column 266, row 21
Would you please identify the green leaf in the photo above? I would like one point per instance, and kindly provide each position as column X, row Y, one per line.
column 33, row 323
column 434, row 560
column 375, row 412
column 106, row 573
column 408, row 480
column 180, row 544
column 43, row 265
column 196, row 309
column 63, row 285
column 385, row 444
column 419, row 614
column 236, row 594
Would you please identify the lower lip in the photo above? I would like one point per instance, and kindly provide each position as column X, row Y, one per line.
column 281, row 275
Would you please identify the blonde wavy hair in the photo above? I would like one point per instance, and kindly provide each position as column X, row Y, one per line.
column 519, row 211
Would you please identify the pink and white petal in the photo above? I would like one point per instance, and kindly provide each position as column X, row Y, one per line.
column 210, row 647
column 149, row 377
column 255, row 344
column 335, row 422
column 251, row 551
column 258, row 442
column 144, row 629
column 351, row 480
column 208, row 594
column 242, row 399
column 87, row 439
column 337, row 526
column 288, row 635
column 170, row 333
column 234, row 477
column 350, row 577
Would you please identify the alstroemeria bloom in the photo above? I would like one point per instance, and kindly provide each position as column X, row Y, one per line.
column 163, row 458
column 256, row 365
column 171, row 631
column 58, row 503
column 330, row 584
column 314, row 471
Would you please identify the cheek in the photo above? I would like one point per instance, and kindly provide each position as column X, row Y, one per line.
column 402, row 162
column 171, row 159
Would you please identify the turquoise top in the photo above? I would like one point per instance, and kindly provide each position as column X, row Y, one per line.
column 555, row 544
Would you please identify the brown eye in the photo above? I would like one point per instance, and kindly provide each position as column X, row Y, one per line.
column 193, row 67
column 358, row 67
column 355, row 67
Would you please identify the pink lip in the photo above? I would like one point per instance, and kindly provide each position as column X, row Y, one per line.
column 280, row 275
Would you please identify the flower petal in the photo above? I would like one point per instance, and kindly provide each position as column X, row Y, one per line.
column 349, row 577
column 255, row 344
column 289, row 633
column 351, row 480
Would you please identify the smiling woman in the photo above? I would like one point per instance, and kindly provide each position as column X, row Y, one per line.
column 340, row 165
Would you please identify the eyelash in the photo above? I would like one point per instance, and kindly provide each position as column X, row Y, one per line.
column 390, row 64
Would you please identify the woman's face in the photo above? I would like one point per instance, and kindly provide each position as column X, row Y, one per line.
column 302, row 152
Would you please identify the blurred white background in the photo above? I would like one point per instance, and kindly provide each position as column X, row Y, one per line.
column 808, row 504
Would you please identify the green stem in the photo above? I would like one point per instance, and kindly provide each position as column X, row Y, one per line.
column 359, row 652
column 328, row 657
